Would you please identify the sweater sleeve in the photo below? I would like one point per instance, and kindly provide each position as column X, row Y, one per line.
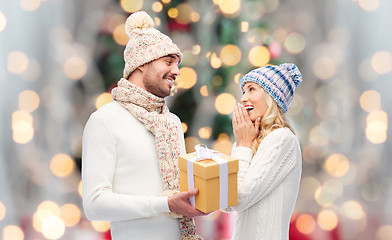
column 273, row 161
column 98, row 166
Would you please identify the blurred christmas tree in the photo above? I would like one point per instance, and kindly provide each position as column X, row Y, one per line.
column 220, row 42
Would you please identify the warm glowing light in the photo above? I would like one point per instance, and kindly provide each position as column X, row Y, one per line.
column 80, row 188
column 195, row 17
column 327, row 220
column 190, row 143
column 12, row 232
column 114, row 21
column 305, row 224
column 369, row 5
column 53, row 227
column 157, row 7
column 295, row 43
column 157, row 21
column 50, row 206
column 103, row 99
column 382, row 62
column 229, row 6
column 172, row 12
column 187, row 78
column 377, row 125
column 3, row 21
column 184, row 15
column 308, row 187
column 376, row 133
column 370, row 100
column 100, row 226
column 244, row 26
column 62, row 165
column 70, row 214
column 204, row 91
column 316, row 137
column 353, row 210
column 28, row 101
column 119, row 35
column 17, row 62
column 216, row 62
column 184, row 127
column 237, row 78
column 324, row 68
column 259, row 56
column 271, row 5
column 225, row 103
column 337, row 165
column 22, row 127
column 384, row 232
column 33, row 71
column 326, row 194
column 378, row 116
column 230, row 55
column 280, row 35
column 30, row 5
column 205, row 132
column 166, row 1
column 223, row 144
column 131, row 5
column 75, row 68
column 196, row 49
column 3, row 211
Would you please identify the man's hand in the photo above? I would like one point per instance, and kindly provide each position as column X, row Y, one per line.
column 179, row 203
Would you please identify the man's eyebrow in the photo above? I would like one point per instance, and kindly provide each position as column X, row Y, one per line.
column 174, row 57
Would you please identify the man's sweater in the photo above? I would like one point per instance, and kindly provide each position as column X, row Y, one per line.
column 268, row 184
column 121, row 177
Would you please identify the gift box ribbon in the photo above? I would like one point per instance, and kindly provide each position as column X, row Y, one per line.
column 202, row 153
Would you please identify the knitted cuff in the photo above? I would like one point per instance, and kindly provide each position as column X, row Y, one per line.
column 169, row 193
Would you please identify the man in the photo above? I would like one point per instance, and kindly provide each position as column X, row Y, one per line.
column 131, row 146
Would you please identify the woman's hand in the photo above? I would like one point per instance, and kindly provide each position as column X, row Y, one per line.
column 244, row 129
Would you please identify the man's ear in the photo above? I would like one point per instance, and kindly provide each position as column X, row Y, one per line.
column 142, row 67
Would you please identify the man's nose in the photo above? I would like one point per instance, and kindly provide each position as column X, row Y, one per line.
column 175, row 70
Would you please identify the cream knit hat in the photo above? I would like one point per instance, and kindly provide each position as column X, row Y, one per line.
column 145, row 43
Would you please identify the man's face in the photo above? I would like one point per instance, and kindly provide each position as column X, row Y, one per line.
column 159, row 75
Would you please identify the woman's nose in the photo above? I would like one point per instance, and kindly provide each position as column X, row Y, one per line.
column 244, row 98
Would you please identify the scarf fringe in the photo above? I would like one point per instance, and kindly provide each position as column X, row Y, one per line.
column 192, row 237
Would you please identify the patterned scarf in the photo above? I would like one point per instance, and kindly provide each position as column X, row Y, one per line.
column 154, row 114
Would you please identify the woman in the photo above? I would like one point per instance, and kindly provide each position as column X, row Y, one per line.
column 268, row 152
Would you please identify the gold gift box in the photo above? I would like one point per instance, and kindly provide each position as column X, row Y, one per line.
column 206, row 180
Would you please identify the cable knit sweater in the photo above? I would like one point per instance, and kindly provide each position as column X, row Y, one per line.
column 121, row 179
column 268, row 184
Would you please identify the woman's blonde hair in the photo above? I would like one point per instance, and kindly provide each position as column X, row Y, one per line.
column 273, row 118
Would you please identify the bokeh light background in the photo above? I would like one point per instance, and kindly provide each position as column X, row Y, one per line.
column 60, row 58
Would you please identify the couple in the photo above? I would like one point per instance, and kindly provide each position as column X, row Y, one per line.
column 131, row 146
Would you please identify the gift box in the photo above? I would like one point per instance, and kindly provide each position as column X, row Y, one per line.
column 211, row 178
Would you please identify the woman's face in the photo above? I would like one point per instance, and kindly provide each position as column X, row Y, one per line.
column 253, row 100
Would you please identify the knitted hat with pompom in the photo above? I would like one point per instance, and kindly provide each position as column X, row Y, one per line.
column 145, row 43
column 279, row 82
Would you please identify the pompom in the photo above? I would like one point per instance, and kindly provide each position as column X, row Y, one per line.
column 295, row 74
column 138, row 20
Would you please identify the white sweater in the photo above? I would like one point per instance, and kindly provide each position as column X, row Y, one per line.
column 268, row 184
column 121, row 178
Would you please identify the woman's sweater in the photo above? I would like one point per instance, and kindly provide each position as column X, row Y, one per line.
column 268, row 184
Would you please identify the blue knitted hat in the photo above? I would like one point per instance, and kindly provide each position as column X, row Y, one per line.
column 278, row 81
